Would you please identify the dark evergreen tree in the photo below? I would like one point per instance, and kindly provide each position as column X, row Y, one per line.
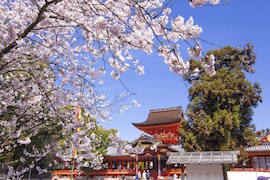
column 220, row 109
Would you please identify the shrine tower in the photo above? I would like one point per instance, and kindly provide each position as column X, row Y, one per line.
column 163, row 124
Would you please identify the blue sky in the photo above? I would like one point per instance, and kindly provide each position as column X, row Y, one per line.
column 239, row 22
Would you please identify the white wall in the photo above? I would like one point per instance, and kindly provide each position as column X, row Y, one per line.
column 204, row 172
column 246, row 175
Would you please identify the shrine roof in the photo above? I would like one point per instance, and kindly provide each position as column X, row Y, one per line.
column 113, row 150
column 162, row 116
column 261, row 148
column 207, row 157
column 144, row 139
column 178, row 147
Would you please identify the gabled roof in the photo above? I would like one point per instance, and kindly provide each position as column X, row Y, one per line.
column 178, row 147
column 265, row 147
column 144, row 139
column 113, row 150
column 207, row 157
column 162, row 116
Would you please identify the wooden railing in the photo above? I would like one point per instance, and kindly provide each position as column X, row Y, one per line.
column 113, row 173
column 67, row 173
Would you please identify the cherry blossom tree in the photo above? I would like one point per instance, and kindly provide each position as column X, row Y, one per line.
column 55, row 53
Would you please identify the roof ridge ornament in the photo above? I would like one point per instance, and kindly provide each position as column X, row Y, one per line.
column 166, row 109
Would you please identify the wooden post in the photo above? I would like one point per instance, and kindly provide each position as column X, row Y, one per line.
column 251, row 161
column 136, row 164
column 159, row 166
column 122, row 164
column 87, row 174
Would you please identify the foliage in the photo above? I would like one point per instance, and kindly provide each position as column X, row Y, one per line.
column 220, row 109
column 243, row 158
column 104, row 136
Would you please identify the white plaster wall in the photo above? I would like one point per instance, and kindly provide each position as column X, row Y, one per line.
column 246, row 175
column 204, row 172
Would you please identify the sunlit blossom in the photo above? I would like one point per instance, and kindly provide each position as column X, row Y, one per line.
column 26, row 140
column 136, row 103
column 196, row 51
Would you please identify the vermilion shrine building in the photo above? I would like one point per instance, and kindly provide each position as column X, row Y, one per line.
column 163, row 126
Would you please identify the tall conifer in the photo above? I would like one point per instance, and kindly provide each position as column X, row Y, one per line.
column 219, row 115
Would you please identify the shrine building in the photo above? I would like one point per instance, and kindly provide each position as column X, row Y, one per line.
column 162, row 127
column 162, row 155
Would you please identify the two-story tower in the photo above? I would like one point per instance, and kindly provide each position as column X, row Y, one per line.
column 163, row 124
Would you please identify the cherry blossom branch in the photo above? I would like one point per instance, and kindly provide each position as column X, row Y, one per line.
column 28, row 29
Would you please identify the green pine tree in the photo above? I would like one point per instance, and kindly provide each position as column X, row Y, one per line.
column 220, row 109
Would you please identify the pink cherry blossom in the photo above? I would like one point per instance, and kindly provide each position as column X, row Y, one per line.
column 56, row 54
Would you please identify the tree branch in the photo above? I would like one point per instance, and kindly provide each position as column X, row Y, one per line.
column 28, row 29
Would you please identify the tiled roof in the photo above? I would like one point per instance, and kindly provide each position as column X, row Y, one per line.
column 162, row 116
column 178, row 147
column 262, row 148
column 113, row 150
column 207, row 157
column 145, row 139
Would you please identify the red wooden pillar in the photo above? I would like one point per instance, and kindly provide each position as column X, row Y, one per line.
column 110, row 164
column 122, row 164
column 251, row 161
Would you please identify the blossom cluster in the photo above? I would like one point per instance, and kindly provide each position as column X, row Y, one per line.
column 84, row 149
column 55, row 54
column 35, row 156
column 209, row 65
column 196, row 3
